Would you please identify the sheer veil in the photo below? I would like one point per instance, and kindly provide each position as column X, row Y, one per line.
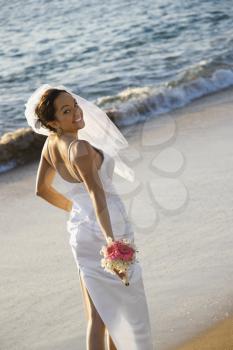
column 99, row 130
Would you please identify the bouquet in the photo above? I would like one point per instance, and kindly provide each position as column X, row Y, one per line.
column 118, row 255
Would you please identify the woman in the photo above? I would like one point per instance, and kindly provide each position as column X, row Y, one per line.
column 95, row 212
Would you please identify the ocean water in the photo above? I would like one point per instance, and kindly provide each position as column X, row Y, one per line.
column 139, row 58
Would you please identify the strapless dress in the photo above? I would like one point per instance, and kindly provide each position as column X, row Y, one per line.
column 123, row 309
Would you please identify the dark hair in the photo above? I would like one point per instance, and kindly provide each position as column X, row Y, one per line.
column 45, row 109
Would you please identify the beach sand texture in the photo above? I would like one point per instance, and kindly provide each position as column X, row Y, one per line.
column 186, row 255
column 218, row 337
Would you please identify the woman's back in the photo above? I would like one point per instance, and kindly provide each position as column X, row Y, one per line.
column 58, row 153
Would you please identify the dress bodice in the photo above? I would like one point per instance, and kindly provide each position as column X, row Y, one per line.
column 83, row 209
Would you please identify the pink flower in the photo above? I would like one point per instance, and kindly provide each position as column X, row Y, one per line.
column 120, row 250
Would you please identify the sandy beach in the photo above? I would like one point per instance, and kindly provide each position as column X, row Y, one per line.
column 184, row 168
column 217, row 337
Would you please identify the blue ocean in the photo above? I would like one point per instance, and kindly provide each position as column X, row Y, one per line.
column 139, row 58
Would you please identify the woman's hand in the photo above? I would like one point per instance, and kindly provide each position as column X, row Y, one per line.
column 69, row 205
column 111, row 236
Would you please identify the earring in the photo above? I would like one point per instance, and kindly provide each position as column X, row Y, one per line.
column 59, row 131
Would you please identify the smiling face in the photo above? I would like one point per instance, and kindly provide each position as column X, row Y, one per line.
column 69, row 115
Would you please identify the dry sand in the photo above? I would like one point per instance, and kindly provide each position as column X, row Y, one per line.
column 183, row 229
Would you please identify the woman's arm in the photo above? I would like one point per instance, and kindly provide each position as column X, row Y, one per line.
column 82, row 158
column 44, row 189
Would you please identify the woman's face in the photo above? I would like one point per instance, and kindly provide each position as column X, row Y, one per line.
column 69, row 116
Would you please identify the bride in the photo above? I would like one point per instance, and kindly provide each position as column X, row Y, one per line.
column 110, row 306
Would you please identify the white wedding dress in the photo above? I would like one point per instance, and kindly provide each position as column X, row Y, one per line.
column 123, row 309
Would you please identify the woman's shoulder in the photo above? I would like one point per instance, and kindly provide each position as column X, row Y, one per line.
column 81, row 150
column 45, row 152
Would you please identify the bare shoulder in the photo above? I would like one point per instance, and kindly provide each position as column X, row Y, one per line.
column 81, row 149
column 82, row 155
column 45, row 152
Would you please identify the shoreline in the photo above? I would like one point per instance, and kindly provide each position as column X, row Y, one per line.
column 23, row 146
